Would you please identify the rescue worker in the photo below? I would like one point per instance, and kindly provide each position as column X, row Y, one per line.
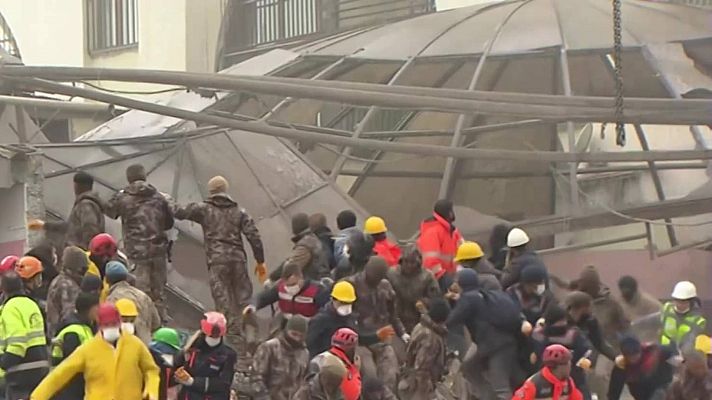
column 8, row 264
column 128, row 312
column 147, row 319
column 115, row 365
column 64, row 289
column 438, row 243
column 30, row 270
column 75, row 330
column 636, row 303
column 23, row 345
column 343, row 345
column 519, row 256
column 145, row 217
column 46, row 252
column 531, row 292
column 579, row 309
column 495, row 333
column 86, row 219
column 102, row 249
column 556, row 330
column 691, row 383
column 376, row 227
column 294, row 294
column 426, row 355
column 224, row 223
column 338, row 314
column 647, row 370
column 317, row 224
column 498, row 245
column 281, row 363
column 308, row 251
column 91, row 284
column 682, row 319
column 470, row 255
column 414, row 286
column 359, row 249
column 165, row 349
column 326, row 385
column 375, row 308
column 208, row 365
column 554, row 380
column 346, row 223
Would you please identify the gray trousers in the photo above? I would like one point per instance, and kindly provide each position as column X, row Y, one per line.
column 494, row 376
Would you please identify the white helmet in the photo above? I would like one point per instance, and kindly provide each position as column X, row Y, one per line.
column 684, row 290
column 517, row 237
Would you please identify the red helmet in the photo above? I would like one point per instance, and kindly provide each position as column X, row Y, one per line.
column 8, row 263
column 213, row 324
column 345, row 339
column 556, row 354
column 108, row 315
column 103, row 245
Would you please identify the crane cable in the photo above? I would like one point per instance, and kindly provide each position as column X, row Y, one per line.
column 618, row 68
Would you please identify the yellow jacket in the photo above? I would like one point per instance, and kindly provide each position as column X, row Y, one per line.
column 92, row 269
column 125, row 373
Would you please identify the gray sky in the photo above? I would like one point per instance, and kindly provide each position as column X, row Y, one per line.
column 446, row 4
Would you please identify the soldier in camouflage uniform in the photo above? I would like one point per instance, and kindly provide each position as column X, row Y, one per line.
column 65, row 288
column 326, row 385
column 308, row 251
column 414, row 287
column 86, row 219
column 148, row 319
column 224, row 223
column 375, row 308
column 145, row 217
column 426, row 355
column 280, row 364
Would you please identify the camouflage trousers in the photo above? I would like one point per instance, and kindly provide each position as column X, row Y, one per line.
column 151, row 277
column 380, row 360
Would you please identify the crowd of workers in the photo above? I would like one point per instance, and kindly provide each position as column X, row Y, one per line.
column 358, row 316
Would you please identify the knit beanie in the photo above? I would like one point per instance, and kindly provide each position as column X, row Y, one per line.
column 443, row 208
column 468, row 280
column 91, row 283
column 333, row 369
column 135, row 172
column 74, row 260
column 300, row 223
column 116, row 272
column 577, row 299
column 534, row 273
column 554, row 314
column 217, row 184
column 297, row 323
column 438, row 311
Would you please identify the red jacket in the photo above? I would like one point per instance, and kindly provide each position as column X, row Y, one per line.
column 391, row 252
column 438, row 242
column 351, row 385
column 544, row 385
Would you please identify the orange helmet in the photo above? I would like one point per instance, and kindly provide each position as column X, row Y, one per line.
column 28, row 267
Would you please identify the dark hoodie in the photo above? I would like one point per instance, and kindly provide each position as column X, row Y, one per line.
column 85, row 221
column 223, row 224
column 45, row 253
column 145, row 217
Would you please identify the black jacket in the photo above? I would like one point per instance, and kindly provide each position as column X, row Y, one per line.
column 212, row 369
column 75, row 388
column 513, row 272
column 592, row 330
column 328, row 321
column 652, row 373
column 166, row 374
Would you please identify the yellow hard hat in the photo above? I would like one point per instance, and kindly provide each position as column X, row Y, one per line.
column 127, row 308
column 703, row 343
column 344, row 292
column 374, row 226
column 468, row 251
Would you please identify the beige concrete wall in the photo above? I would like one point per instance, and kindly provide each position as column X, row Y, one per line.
column 48, row 32
column 203, row 19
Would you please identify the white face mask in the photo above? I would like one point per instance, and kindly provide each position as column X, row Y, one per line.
column 111, row 334
column 540, row 289
column 212, row 342
column 168, row 359
column 344, row 310
column 128, row 327
column 292, row 290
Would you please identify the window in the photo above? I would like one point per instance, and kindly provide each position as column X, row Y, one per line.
column 111, row 24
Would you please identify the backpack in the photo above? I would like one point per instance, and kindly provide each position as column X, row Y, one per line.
column 501, row 311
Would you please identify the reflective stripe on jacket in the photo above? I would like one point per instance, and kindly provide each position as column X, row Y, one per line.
column 22, row 335
column 682, row 329
column 438, row 243
column 82, row 331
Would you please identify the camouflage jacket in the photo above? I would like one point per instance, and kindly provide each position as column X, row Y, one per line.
column 280, row 368
column 145, row 217
column 61, row 295
column 409, row 290
column 223, row 224
column 148, row 319
column 85, row 221
column 375, row 307
column 426, row 354
column 312, row 390
column 310, row 255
